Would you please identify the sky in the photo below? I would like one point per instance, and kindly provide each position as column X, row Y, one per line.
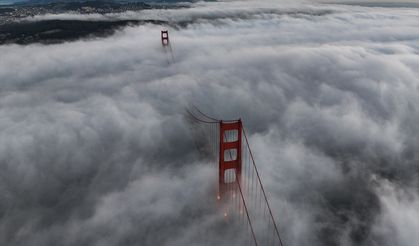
column 5, row 2
column 96, row 148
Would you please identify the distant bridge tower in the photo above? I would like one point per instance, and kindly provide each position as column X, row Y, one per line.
column 165, row 38
column 230, row 157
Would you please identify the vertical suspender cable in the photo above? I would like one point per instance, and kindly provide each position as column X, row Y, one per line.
column 263, row 190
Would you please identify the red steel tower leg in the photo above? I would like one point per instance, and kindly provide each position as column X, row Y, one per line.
column 230, row 159
column 165, row 38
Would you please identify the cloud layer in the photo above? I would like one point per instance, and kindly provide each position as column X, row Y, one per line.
column 95, row 148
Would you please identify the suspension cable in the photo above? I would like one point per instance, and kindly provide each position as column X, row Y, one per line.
column 247, row 212
column 263, row 190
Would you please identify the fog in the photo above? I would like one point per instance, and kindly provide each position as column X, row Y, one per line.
column 95, row 148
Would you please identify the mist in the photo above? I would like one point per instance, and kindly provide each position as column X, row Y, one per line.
column 95, row 148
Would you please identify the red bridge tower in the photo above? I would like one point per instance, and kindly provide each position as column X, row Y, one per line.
column 165, row 38
column 230, row 156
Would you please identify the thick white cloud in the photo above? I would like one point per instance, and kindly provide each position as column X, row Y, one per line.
column 400, row 212
column 96, row 150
